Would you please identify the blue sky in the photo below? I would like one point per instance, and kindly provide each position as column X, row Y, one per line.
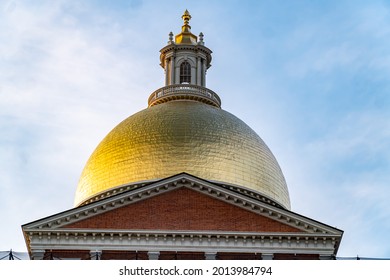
column 310, row 77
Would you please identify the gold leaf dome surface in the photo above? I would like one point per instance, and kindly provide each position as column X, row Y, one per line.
column 183, row 136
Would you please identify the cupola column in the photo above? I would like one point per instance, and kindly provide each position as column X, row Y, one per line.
column 199, row 72
column 166, row 71
column 172, row 80
column 204, row 74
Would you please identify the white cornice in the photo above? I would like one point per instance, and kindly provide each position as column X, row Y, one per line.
column 121, row 240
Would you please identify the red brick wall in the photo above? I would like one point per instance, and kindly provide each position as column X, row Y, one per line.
column 183, row 209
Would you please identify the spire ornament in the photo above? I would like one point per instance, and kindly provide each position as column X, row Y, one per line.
column 201, row 39
column 186, row 37
column 186, row 17
column 170, row 38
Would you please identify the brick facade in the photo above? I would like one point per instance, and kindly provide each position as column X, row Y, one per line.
column 183, row 209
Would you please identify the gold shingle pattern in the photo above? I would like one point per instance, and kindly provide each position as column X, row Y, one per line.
column 183, row 136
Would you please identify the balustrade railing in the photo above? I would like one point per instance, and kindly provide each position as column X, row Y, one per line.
column 184, row 91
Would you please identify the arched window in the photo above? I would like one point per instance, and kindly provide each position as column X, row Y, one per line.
column 185, row 73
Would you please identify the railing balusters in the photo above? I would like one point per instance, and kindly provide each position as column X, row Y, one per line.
column 184, row 89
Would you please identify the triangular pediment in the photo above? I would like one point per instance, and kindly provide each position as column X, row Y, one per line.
column 183, row 209
column 182, row 202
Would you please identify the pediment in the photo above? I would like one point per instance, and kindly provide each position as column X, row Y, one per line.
column 182, row 209
column 183, row 202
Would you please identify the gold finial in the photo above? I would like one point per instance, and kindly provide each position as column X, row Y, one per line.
column 186, row 17
column 186, row 37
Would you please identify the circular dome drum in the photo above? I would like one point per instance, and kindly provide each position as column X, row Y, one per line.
column 183, row 136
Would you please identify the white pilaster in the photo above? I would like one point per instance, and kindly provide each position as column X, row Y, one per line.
column 210, row 255
column 267, row 257
column 153, row 255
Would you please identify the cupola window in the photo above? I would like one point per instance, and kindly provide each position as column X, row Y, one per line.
column 185, row 73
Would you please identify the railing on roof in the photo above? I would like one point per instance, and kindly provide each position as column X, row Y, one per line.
column 186, row 92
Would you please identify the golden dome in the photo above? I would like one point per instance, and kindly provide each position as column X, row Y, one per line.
column 183, row 130
column 183, row 136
